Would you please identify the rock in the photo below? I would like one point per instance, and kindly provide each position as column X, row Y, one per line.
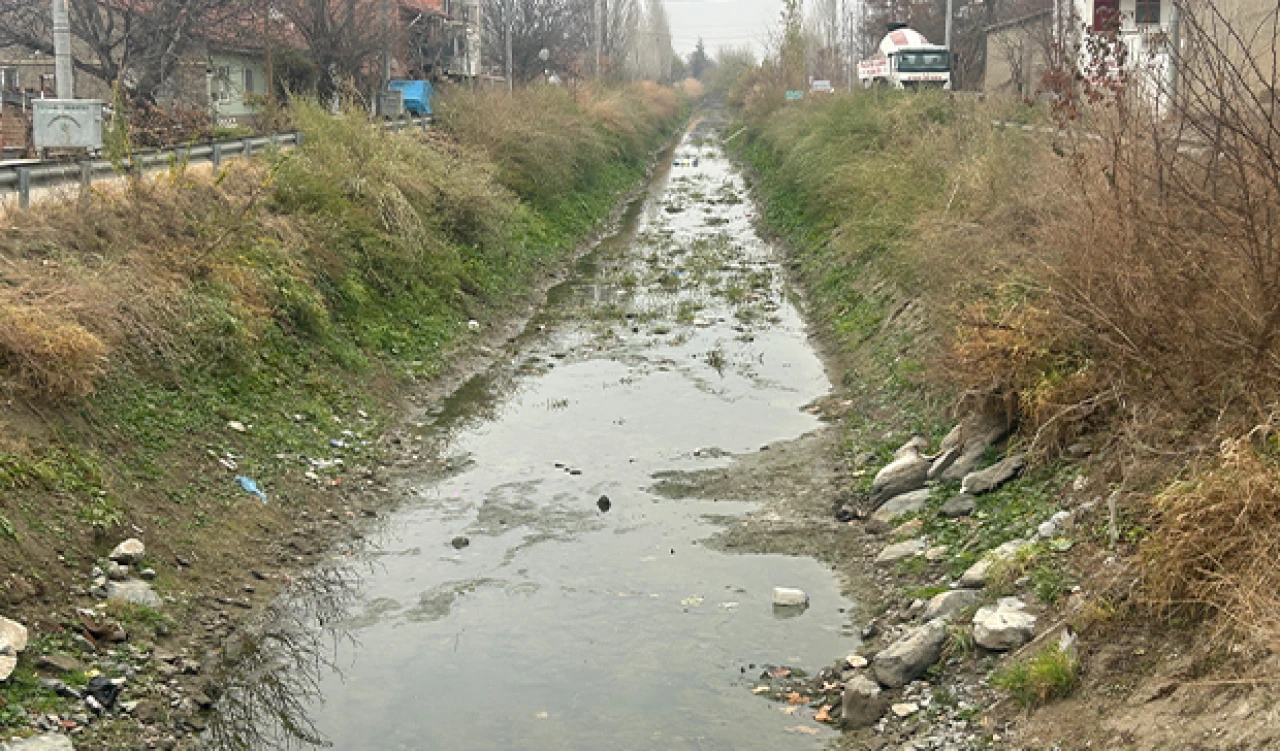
column 460, row 542
column 135, row 592
column 975, row 576
column 946, row 604
column 13, row 639
column 961, row 505
column 976, row 483
column 1003, row 626
column 908, row 657
column 13, row 636
column 603, row 503
column 46, row 742
column 912, row 528
column 902, row 475
column 977, row 433
column 59, row 663
column 1049, row 529
column 856, row 662
column 117, row 571
column 862, row 703
column 237, row 426
column 787, row 597
column 905, row 709
column 935, row 553
column 147, row 574
column 901, row 505
column 917, row 445
column 129, row 552
column 900, row 550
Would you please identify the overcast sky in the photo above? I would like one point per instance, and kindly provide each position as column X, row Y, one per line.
column 721, row 23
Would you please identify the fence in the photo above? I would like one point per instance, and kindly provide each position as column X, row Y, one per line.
column 24, row 179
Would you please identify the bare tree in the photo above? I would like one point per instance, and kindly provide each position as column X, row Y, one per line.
column 344, row 38
column 138, row 45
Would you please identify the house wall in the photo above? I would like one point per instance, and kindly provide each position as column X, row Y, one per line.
column 238, row 80
column 1147, row 43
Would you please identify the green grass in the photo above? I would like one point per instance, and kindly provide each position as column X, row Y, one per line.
column 1050, row 674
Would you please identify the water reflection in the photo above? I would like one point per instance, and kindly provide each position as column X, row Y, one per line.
column 270, row 677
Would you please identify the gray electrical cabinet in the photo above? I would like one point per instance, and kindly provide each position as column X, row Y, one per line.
column 66, row 124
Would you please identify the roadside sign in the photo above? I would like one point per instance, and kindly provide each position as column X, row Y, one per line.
column 822, row 87
column 795, row 96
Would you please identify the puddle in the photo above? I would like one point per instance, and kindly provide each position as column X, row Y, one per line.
column 557, row 624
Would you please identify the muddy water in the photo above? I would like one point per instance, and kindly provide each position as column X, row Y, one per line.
column 564, row 626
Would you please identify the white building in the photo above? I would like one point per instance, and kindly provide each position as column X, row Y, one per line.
column 1143, row 28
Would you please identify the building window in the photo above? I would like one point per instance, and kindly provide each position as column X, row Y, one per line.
column 248, row 80
column 223, row 82
column 1147, row 12
column 1106, row 15
column 9, row 79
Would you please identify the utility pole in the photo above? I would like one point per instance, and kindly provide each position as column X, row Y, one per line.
column 64, row 84
column 386, row 54
column 599, row 34
column 506, row 17
column 947, row 44
column 266, row 34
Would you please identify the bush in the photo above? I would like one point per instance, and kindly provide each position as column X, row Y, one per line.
column 1049, row 675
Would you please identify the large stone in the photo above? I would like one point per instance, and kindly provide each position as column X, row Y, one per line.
column 1003, row 626
column 977, row 433
column 908, row 657
column 961, row 505
column 13, row 639
column 947, row 604
column 950, row 450
column 902, row 475
column 135, row 592
column 12, row 634
column 129, row 552
column 901, row 550
column 862, row 702
column 46, row 742
column 901, row 505
column 976, row 575
column 917, row 445
column 976, row 483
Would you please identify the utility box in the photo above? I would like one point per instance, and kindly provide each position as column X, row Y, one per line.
column 66, row 124
column 391, row 103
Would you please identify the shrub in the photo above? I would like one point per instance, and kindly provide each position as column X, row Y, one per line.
column 47, row 352
column 1050, row 674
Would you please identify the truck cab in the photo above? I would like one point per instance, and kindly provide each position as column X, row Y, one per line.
column 906, row 60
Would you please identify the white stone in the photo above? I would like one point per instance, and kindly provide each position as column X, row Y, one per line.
column 900, row 550
column 857, row 662
column 134, row 591
column 128, row 552
column 946, row 604
column 788, row 597
column 905, row 709
column 976, row 483
column 1003, row 626
column 902, row 475
column 46, row 742
column 901, row 505
column 237, row 426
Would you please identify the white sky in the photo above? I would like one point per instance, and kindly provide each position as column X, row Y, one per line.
column 721, row 23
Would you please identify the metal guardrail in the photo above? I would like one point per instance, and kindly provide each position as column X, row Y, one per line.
column 23, row 179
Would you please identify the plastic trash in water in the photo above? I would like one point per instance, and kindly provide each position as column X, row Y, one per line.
column 251, row 487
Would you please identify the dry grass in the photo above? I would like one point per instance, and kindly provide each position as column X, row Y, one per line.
column 1216, row 549
column 45, row 351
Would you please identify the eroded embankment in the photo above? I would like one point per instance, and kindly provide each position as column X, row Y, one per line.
column 159, row 345
column 921, row 236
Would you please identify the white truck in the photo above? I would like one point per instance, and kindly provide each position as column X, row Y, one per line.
column 906, row 60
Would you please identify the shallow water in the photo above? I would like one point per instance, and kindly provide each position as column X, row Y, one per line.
column 561, row 625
